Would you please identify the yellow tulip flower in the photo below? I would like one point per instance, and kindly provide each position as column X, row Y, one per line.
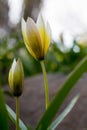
column 16, row 78
column 36, row 37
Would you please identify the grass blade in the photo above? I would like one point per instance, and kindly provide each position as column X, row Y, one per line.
column 12, row 116
column 64, row 113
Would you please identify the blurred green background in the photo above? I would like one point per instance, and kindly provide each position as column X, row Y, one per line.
column 59, row 58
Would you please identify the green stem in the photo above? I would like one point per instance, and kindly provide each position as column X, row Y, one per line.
column 17, row 113
column 45, row 84
column 62, row 94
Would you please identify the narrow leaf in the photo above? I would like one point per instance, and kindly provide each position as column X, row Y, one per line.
column 64, row 113
column 60, row 96
column 12, row 116
column 3, row 113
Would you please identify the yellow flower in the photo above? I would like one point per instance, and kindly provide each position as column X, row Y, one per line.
column 16, row 78
column 36, row 37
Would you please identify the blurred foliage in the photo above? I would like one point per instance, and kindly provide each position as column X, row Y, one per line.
column 58, row 59
column 64, row 61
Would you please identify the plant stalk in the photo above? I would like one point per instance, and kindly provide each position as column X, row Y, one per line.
column 17, row 113
column 62, row 94
column 45, row 84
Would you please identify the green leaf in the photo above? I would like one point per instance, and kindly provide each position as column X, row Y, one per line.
column 60, row 96
column 64, row 113
column 3, row 113
column 12, row 116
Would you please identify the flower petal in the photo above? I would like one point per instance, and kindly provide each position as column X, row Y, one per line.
column 45, row 33
column 48, row 38
column 23, row 26
column 34, row 38
column 13, row 65
column 18, row 79
column 10, row 77
column 41, row 27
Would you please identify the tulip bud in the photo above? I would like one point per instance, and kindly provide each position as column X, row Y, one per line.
column 36, row 36
column 16, row 78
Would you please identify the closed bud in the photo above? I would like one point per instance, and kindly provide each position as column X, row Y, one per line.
column 16, row 78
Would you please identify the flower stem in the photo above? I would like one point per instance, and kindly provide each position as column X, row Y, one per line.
column 61, row 94
column 45, row 84
column 17, row 113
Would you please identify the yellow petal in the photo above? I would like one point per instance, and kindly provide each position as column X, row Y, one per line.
column 48, row 38
column 10, row 77
column 18, row 79
column 41, row 27
column 44, row 32
column 23, row 26
column 34, row 38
